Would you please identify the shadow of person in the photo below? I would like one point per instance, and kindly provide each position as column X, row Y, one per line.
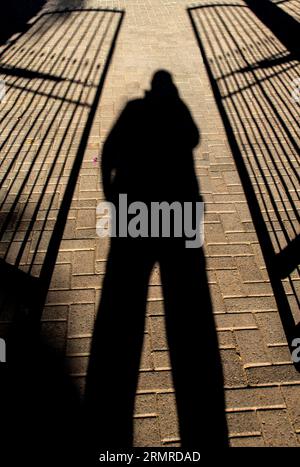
column 148, row 156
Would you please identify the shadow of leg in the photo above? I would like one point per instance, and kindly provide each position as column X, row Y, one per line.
column 117, row 345
column 193, row 346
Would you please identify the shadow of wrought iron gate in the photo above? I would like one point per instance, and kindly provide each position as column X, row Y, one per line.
column 54, row 75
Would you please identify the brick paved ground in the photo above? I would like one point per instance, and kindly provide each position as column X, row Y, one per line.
column 43, row 120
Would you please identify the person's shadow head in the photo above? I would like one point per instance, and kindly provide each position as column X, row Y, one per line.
column 162, row 85
column 148, row 156
column 148, row 153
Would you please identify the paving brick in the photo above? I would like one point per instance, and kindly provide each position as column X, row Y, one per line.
column 243, row 423
column 65, row 297
column 291, row 397
column 155, row 292
column 248, row 268
column 264, row 303
column 226, row 339
column 218, row 305
column 230, row 321
column 155, row 307
column 64, row 257
column 230, row 282
column 251, row 346
column 229, row 250
column 214, row 233
column 76, row 346
column 70, row 229
column 247, row 442
column 231, row 178
column 219, row 262
column 55, row 312
column 83, row 262
column 277, row 429
column 155, row 277
column 254, row 398
column 271, row 327
column 100, row 267
column 279, row 354
column 158, row 333
column 147, row 358
column 88, row 281
column 102, row 248
column 234, row 375
column 161, row 359
column 77, row 365
column 61, row 277
column 146, row 432
column 81, row 319
column 243, row 212
column 86, row 218
column 88, row 183
column 272, row 374
column 245, row 237
column 258, row 288
column 155, row 380
column 168, row 422
column 145, row 404
column 231, row 222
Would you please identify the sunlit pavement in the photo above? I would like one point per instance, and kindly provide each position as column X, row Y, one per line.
column 59, row 63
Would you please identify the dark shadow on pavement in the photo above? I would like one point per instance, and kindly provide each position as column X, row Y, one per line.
column 281, row 23
column 148, row 156
column 15, row 14
column 41, row 407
